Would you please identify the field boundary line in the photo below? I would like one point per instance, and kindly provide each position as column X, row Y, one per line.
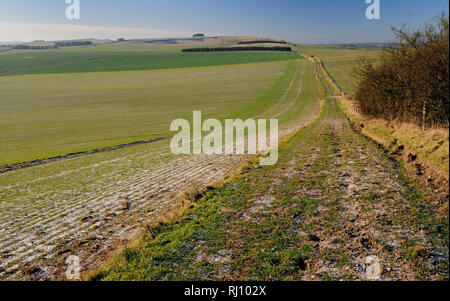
column 15, row 166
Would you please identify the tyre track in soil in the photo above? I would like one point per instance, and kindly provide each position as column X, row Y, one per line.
column 93, row 223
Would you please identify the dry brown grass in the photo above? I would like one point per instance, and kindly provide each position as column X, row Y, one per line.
column 430, row 146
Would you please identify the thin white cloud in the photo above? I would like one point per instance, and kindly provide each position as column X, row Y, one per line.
column 21, row 31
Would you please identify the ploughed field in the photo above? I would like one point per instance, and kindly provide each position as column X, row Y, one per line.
column 87, row 205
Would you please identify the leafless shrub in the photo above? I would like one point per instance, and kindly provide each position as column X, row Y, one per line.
column 411, row 82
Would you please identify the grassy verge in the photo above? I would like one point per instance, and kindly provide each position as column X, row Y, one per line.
column 429, row 148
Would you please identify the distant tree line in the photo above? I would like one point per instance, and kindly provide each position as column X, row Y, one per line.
column 31, row 47
column 73, row 43
column 255, row 48
column 262, row 42
column 411, row 83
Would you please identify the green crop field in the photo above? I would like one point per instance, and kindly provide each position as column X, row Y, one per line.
column 342, row 62
column 54, row 114
column 123, row 58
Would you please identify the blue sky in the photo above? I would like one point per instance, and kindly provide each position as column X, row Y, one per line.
column 306, row 21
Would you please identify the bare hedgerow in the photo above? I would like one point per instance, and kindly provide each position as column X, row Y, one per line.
column 411, row 83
